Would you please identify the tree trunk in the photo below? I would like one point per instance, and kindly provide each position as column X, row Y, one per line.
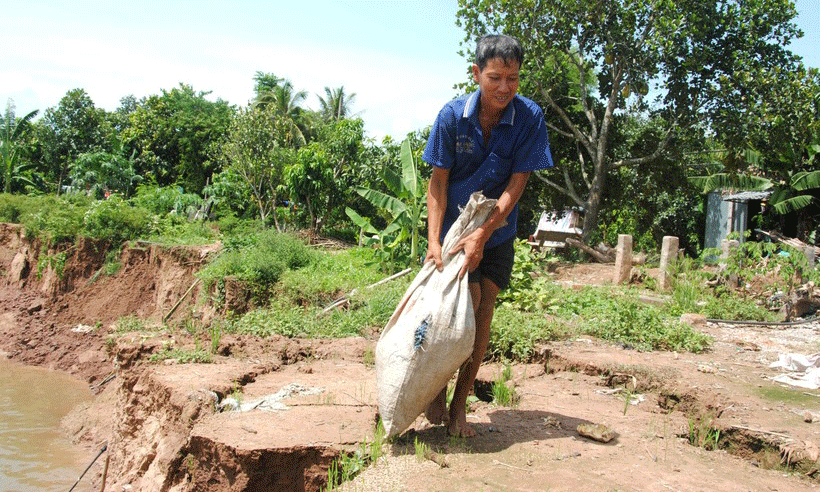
column 593, row 203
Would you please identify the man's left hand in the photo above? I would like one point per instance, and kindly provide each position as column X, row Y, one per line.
column 473, row 247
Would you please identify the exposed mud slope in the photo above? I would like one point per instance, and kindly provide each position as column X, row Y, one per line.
column 58, row 307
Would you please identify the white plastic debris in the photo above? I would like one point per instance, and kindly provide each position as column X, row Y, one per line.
column 804, row 370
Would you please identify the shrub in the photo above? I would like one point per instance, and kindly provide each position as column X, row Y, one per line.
column 514, row 334
column 166, row 199
column 12, row 207
column 54, row 219
column 114, row 219
column 261, row 264
column 631, row 323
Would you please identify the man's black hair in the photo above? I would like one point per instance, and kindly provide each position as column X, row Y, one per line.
column 498, row 46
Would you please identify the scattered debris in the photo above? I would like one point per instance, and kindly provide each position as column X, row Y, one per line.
column 804, row 371
column 269, row 402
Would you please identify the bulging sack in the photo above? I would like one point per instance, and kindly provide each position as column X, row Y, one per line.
column 431, row 332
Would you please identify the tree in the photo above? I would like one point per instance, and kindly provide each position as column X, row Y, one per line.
column 74, row 127
column 777, row 143
column 176, row 136
column 279, row 94
column 690, row 51
column 11, row 132
column 265, row 82
column 336, row 105
column 95, row 173
column 324, row 167
column 258, row 147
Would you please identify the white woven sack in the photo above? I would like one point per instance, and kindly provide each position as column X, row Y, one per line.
column 431, row 333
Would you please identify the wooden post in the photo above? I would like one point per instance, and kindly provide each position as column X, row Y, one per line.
column 669, row 254
column 623, row 259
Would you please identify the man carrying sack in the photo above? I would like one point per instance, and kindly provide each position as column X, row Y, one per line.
column 488, row 141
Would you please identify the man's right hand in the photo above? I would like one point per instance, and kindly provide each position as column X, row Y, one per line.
column 434, row 254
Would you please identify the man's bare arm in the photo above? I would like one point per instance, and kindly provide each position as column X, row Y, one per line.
column 436, row 205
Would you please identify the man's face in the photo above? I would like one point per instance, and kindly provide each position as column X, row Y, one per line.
column 498, row 82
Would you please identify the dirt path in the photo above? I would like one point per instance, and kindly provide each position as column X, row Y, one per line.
column 171, row 427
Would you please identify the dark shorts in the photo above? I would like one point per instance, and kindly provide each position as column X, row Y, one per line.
column 496, row 264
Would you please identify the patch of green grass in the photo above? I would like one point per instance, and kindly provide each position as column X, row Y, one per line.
column 420, row 448
column 333, row 274
column 261, row 263
column 130, row 323
column 176, row 231
column 625, row 320
column 703, row 433
column 368, row 311
column 183, row 356
column 788, row 395
column 514, row 333
column 736, row 309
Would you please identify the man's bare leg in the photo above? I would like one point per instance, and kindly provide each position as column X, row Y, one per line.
column 484, row 295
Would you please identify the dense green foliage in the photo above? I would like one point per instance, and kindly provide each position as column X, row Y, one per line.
column 692, row 63
column 175, row 136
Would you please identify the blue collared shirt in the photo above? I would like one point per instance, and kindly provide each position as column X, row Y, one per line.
column 519, row 143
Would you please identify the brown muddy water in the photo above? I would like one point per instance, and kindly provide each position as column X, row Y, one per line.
column 34, row 453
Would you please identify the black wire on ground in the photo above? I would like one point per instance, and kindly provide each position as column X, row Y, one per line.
column 88, row 467
column 764, row 323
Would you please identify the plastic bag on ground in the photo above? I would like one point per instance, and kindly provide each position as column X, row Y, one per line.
column 431, row 332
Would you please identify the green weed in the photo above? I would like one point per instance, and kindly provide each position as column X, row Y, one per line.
column 631, row 323
column 130, row 323
column 348, row 465
column 183, row 356
column 703, row 434
column 261, row 264
column 421, row 449
column 56, row 262
column 503, row 393
column 215, row 332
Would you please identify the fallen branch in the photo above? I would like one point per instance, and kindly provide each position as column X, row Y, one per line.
column 496, row 462
column 165, row 318
column 762, row 431
column 599, row 257
column 436, row 458
column 353, row 292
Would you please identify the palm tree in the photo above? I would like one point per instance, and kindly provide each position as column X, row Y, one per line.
column 286, row 101
column 265, row 82
column 337, row 105
column 10, row 132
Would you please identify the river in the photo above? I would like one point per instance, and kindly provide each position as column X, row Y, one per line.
column 34, row 454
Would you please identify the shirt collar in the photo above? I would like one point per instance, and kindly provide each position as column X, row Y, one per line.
column 471, row 110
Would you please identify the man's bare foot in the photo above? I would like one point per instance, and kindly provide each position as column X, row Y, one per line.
column 436, row 412
column 460, row 428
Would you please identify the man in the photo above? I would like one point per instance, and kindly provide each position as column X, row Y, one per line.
column 489, row 141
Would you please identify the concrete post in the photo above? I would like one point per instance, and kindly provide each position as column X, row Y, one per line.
column 810, row 254
column 623, row 259
column 669, row 254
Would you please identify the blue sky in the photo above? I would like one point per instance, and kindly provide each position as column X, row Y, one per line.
column 399, row 57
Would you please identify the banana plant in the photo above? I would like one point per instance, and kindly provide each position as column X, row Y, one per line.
column 11, row 131
column 787, row 196
column 407, row 207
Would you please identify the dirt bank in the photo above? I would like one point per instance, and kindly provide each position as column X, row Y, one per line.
column 171, row 427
